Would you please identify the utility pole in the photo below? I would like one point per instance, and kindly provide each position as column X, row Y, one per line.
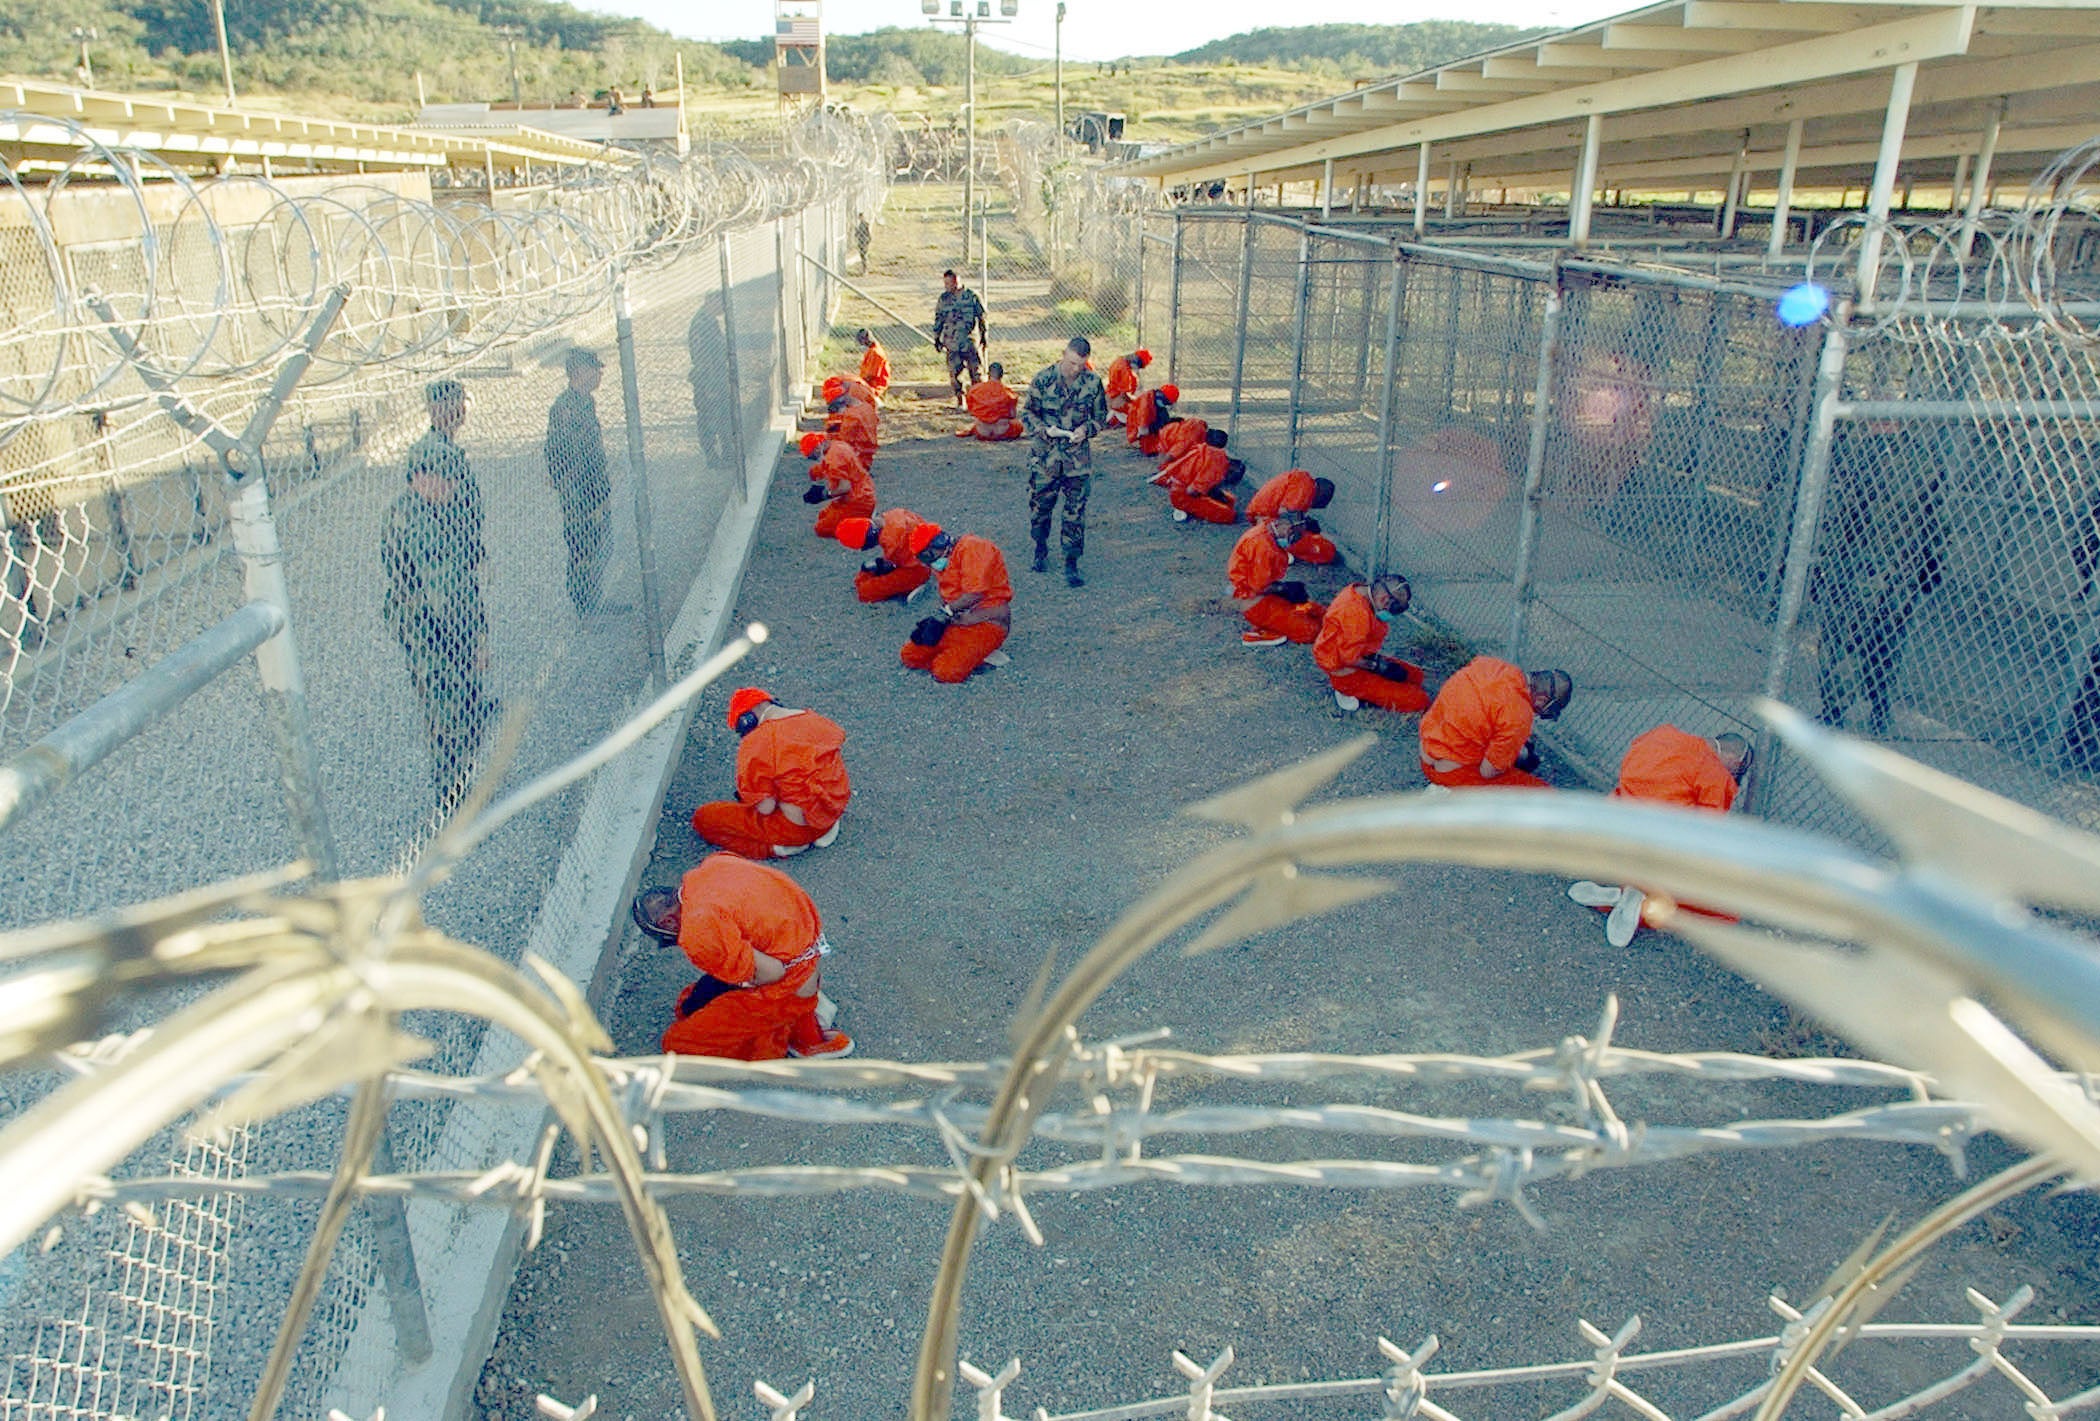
column 969, row 14
column 510, row 37
column 1059, row 53
column 218, row 19
column 87, row 65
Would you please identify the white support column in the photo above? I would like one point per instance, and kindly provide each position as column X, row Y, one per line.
column 1961, row 182
column 1783, row 202
column 1326, row 189
column 1422, row 191
column 1903, row 81
column 1250, row 189
column 1731, row 204
column 1451, row 198
column 1980, row 179
column 1580, row 200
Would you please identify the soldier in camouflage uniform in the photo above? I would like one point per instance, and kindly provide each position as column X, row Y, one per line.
column 1065, row 408
column 575, row 451
column 958, row 329
column 431, row 550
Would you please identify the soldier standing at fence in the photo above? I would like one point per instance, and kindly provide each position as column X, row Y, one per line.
column 759, row 945
column 1066, row 407
column 1877, row 558
column 959, row 331
column 791, row 783
column 1478, row 730
column 575, row 450
column 430, row 548
column 860, row 237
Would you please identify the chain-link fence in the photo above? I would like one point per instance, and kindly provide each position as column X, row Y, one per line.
column 455, row 556
column 1610, row 462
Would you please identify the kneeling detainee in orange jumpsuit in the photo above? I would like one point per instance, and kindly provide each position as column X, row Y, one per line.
column 839, row 481
column 1121, row 382
column 1667, row 766
column 1276, row 611
column 1177, row 437
column 1147, row 416
column 1196, row 483
column 851, row 387
column 791, row 785
column 976, row 610
column 1479, row 730
column 874, row 362
column 855, row 422
column 1296, row 491
column 757, row 940
column 1347, row 648
column 893, row 571
column 991, row 402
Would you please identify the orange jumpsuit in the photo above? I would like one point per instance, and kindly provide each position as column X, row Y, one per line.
column 875, row 368
column 893, row 540
column 1146, row 413
column 974, row 565
column 791, row 759
column 851, row 386
column 1351, row 632
column 1121, row 385
column 1256, row 565
column 732, row 910
column 1192, row 485
column 1292, row 492
column 1177, row 439
column 1667, row 766
column 846, row 479
column 1482, row 713
column 855, row 425
column 991, row 405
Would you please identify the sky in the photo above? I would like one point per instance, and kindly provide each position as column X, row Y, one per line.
column 1108, row 29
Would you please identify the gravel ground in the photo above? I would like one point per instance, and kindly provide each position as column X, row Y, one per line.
column 1016, row 816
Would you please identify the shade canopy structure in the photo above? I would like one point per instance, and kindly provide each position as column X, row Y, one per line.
column 43, row 123
column 1701, row 95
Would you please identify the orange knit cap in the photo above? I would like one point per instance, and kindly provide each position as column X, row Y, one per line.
column 853, row 533
column 745, row 698
column 923, row 536
column 1143, row 356
column 1172, row 392
column 834, row 386
column 811, row 443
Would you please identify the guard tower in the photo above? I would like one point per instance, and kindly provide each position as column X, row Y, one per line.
column 798, row 49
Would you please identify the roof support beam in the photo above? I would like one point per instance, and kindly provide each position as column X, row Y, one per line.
column 1933, row 35
column 1783, row 201
column 1581, row 199
column 1902, row 84
column 1980, row 179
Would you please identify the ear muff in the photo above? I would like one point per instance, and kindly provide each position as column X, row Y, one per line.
column 747, row 722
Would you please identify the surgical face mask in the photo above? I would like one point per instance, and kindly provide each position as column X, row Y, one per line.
column 940, row 564
column 1383, row 616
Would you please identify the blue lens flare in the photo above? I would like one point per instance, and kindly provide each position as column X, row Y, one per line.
column 1803, row 305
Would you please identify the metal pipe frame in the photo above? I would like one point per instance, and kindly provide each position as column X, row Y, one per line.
column 1239, row 343
column 1533, row 497
column 89, row 738
column 638, row 479
column 1388, row 378
column 1298, row 312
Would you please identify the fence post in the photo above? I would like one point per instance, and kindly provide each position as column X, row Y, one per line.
column 1137, row 297
column 1239, row 340
column 1302, row 301
column 638, row 476
column 1384, row 525
column 1801, row 541
column 1174, row 303
column 783, row 397
column 736, row 384
column 1534, row 476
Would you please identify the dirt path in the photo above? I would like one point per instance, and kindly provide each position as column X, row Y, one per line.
column 1017, row 815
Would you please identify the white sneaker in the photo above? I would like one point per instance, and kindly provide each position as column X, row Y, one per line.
column 1180, row 516
column 1595, row 895
column 827, row 1011
column 1625, row 919
column 996, row 658
column 913, row 595
column 1347, row 703
column 830, row 836
column 1262, row 639
column 788, row 851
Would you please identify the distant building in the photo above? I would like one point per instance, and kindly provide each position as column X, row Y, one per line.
column 634, row 127
column 798, row 49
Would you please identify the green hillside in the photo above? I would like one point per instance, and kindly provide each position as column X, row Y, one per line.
column 1359, row 50
column 365, row 52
